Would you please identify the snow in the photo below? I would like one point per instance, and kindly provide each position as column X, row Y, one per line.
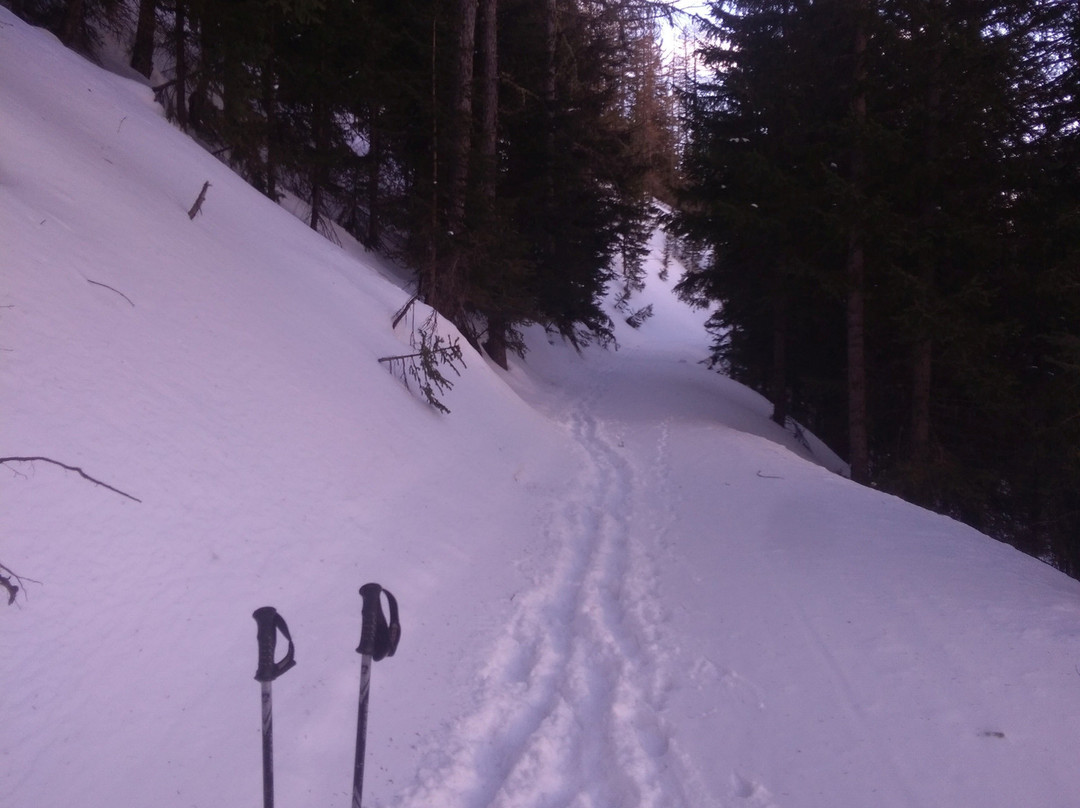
column 620, row 583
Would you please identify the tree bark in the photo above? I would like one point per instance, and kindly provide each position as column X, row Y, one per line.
column 321, row 127
column 460, row 144
column 268, row 81
column 495, row 345
column 858, row 430
column 487, row 166
column 142, row 52
column 180, row 55
column 448, row 290
column 73, row 27
column 923, row 353
column 374, row 179
column 778, row 381
column 488, row 101
column 550, row 43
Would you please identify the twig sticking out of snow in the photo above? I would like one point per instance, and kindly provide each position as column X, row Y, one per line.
column 196, row 209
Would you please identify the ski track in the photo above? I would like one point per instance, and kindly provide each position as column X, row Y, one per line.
column 569, row 706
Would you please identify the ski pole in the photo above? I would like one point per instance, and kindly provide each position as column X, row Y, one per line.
column 378, row 639
column 269, row 624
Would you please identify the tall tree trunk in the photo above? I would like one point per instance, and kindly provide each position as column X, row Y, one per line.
column 73, row 27
column 270, row 109
column 374, row 178
column 922, row 372
column 142, row 52
column 460, row 145
column 547, row 245
column 268, row 80
column 487, row 136
column 487, row 140
column 550, row 43
column 321, row 146
column 426, row 280
column 858, row 430
column 778, row 379
column 180, row 56
column 449, row 290
column 923, row 353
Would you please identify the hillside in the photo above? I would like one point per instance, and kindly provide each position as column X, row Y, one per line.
column 621, row 584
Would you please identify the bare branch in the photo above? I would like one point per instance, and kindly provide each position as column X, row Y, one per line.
column 400, row 313
column 106, row 286
column 6, row 583
column 13, row 589
column 76, row 469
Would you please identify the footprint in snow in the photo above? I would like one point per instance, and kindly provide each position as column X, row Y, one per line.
column 753, row 792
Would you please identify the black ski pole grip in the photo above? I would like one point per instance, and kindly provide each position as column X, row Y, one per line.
column 269, row 623
column 378, row 639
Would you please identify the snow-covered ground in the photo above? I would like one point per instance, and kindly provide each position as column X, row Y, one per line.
column 621, row 584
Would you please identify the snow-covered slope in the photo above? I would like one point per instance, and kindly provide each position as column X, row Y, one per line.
column 621, row 585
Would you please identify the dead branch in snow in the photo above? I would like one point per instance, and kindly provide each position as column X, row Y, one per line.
column 106, row 286
column 196, row 209
column 13, row 589
column 399, row 315
column 6, row 583
column 76, row 469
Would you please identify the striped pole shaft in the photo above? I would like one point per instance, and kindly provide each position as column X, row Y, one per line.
column 267, row 747
column 361, row 729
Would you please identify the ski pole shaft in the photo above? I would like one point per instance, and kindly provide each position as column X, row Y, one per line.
column 361, row 730
column 378, row 639
column 269, row 623
column 267, row 747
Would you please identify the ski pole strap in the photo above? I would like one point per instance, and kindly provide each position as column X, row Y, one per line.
column 378, row 638
column 269, row 624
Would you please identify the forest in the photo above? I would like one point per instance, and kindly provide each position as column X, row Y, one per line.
column 881, row 198
column 889, row 191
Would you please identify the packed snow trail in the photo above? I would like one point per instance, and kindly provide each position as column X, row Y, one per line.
column 569, row 701
column 712, row 621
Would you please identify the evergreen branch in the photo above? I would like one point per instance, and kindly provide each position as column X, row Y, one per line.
column 423, row 365
column 406, row 357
